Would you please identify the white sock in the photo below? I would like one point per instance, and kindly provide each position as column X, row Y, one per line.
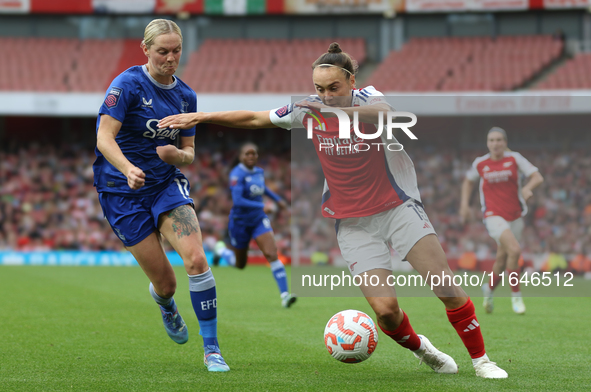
column 475, row 360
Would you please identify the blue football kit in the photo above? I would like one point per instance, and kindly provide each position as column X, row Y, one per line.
column 247, row 218
column 138, row 101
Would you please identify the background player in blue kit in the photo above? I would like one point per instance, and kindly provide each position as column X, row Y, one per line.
column 248, row 219
column 142, row 193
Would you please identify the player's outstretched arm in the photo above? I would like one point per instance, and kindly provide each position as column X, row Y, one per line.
column 233, row 119
column 105, row 142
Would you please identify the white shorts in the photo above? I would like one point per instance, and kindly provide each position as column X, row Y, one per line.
column 364, row 241
column 497, row 225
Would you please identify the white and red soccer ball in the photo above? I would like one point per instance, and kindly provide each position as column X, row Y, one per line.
column 350, row 336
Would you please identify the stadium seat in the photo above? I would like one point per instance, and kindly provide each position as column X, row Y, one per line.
column 268, row 67
column 465, row 64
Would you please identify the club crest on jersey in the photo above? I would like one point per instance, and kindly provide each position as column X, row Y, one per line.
column 507, row 164
column 147, row 104
column 113, row 96
column 184, row 107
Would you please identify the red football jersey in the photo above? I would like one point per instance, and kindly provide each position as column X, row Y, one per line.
column 363, row 176
column 500, row 184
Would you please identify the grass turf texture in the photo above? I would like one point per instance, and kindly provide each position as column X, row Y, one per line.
column 97, row 329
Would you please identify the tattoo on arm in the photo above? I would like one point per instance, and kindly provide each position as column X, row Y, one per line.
column 184, row 221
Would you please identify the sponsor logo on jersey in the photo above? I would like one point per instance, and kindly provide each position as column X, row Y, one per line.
column 154, row 132
column 233, row 181
column 147, row 104
column 256, row 190
column 498, row 176
column 113, row 96
column 485, row 169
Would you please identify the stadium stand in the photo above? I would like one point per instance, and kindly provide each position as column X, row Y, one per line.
column 68, row 64
column 257, row 65
column 23, row 71
column 572, row 75
column 93, row 65
column 263, row 65
column 466, row 64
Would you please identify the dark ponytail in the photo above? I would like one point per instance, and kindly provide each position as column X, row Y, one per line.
column 336, row 56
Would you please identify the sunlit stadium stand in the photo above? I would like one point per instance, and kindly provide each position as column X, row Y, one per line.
column 466, row 64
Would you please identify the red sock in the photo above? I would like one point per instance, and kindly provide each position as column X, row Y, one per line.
column 464, row 321
column 494, row 282
column 404, row 335
column 511, row 274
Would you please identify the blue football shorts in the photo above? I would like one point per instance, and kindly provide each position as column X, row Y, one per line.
column 241, row 230
column 135, row 218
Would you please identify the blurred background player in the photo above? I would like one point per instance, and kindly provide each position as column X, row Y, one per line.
column 376, row 205
column 503, row 202
column 248, row 219
column 143, row 194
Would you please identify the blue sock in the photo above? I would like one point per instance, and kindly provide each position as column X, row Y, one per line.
column 280, row 276
column 204, row 300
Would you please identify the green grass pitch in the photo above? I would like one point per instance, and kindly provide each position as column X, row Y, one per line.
column 97, row 329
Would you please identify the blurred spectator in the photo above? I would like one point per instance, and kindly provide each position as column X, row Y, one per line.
column 47, row 200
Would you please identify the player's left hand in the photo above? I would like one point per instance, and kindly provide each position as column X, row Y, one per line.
column 313, row 105
column 526, row 193
column 180, row 121
column 169, row 154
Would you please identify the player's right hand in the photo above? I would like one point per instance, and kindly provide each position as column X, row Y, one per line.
column 136, row 178
column 180, row 121
column 465, row 214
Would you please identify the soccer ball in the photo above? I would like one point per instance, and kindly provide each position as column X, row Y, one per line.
column 350, row 336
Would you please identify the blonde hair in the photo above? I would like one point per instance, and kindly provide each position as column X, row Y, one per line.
column 159, row 27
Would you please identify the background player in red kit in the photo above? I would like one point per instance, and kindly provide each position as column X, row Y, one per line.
column 373, row 195
column 503, row 202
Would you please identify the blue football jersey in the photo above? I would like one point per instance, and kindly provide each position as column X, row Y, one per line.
column 248, row 188
column 139, row 102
